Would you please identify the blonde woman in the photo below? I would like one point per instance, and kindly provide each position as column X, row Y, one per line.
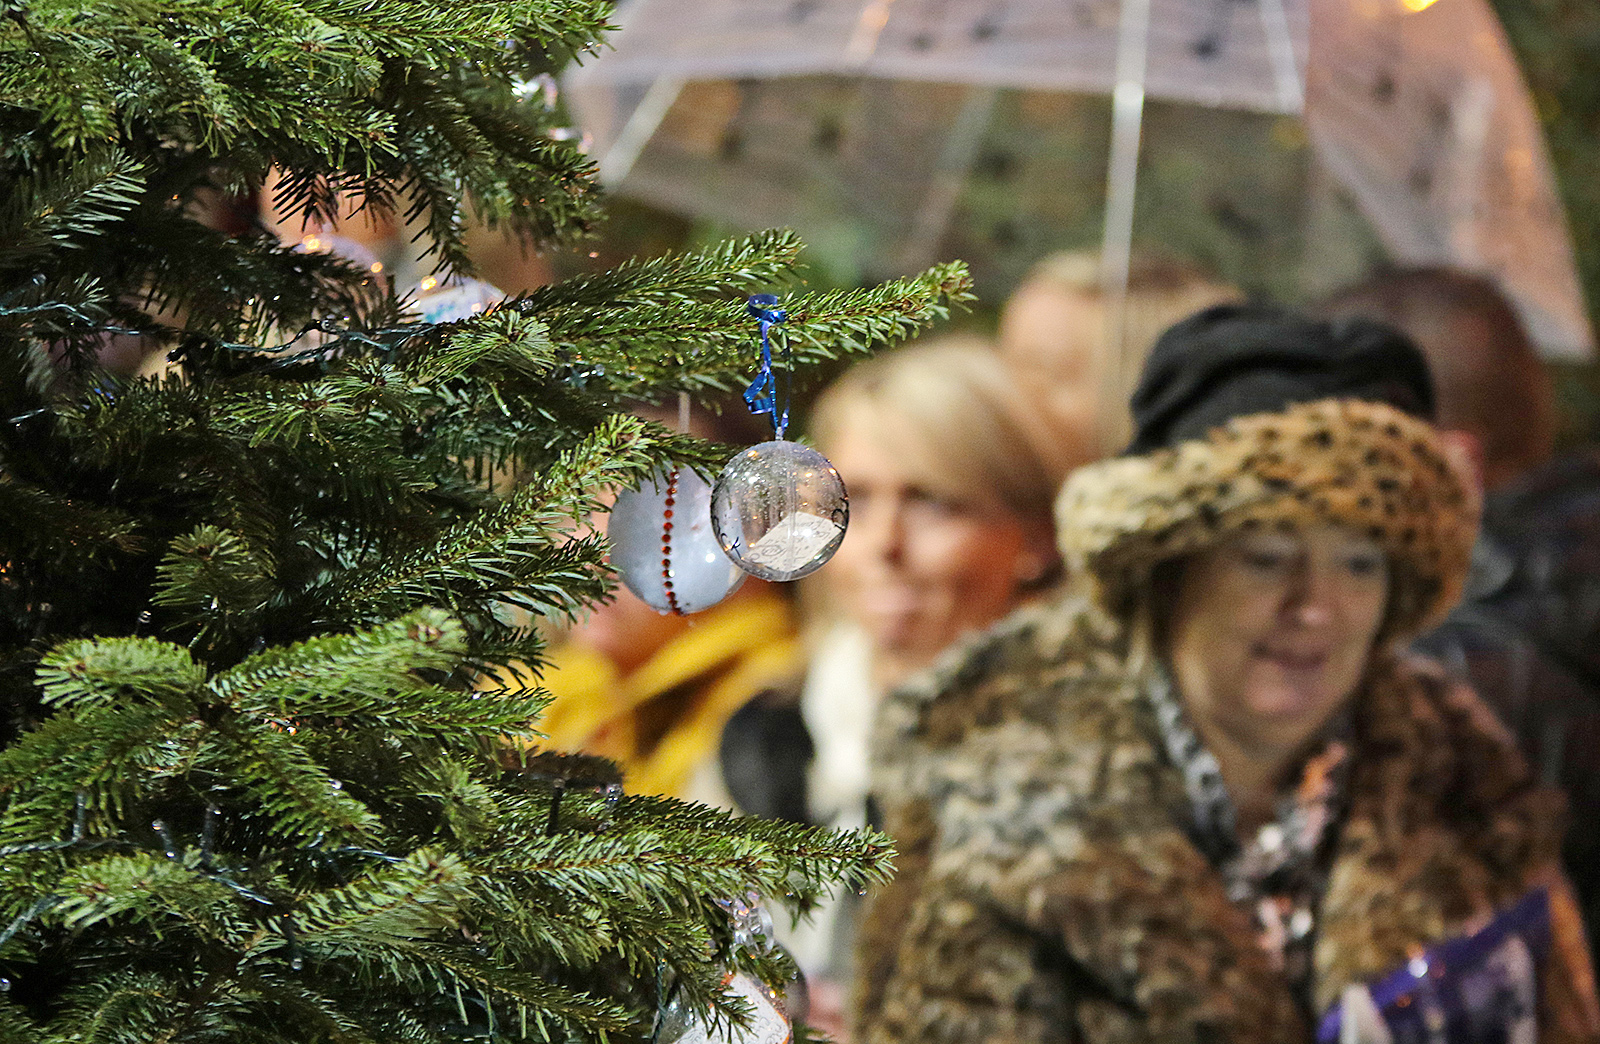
column 951, row 472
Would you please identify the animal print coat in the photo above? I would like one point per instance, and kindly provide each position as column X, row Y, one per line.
column 1047, row 891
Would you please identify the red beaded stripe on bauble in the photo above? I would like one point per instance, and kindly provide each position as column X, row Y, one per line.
column 666, row 544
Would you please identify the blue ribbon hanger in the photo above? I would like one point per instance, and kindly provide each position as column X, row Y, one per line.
column 762, row 395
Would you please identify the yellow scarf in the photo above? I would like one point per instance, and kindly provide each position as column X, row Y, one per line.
column 662, row 721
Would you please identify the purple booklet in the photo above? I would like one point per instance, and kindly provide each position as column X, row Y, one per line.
column 1477, row 989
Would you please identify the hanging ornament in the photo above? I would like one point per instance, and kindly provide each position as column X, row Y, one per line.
column 341, row 247
column 663, row 546
column 449, row 300
column 779, row 509
column 768, row 1022
column 753, row 932
column 752, row 924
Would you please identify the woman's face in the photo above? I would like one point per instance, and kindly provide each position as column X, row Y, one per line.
column 1270, row 633
column 918, row 569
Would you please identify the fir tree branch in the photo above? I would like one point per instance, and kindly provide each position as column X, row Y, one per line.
column 502, row 342
column 509, row 552
column 344, row 851
column 729, row 268
column 295, row 793
column 59, row 207
column 594, row 1015
column 107, row 672
column 374, row 675
column 643, row 342
column 43, row 527
column 15, row 1025
column 212, row 571
column 145, row 886
column 112, row 755
column 411, row 899
column 125, row 1008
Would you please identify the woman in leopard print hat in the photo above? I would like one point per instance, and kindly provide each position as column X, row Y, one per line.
column 1206, row 796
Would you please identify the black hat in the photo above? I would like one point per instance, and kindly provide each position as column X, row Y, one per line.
column 1234, row 360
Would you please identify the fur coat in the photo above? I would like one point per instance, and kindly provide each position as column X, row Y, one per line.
column 1048, row 892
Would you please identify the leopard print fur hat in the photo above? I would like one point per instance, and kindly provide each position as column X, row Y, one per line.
column 1285, row 463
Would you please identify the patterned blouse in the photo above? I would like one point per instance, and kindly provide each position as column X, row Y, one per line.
column 1279, row 874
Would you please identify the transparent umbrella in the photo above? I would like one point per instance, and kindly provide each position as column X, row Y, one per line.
column 914, row 117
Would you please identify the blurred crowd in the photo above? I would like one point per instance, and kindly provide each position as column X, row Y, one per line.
column 1236, row 737
column 1221, row 672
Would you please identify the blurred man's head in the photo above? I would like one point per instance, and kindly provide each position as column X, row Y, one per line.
column 1053, row 330
column 1487, row 376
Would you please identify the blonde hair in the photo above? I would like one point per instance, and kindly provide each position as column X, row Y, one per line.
column 1099, row 382
column 960, row 420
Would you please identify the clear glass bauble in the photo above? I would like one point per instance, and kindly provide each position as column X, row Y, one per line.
column 769, row 1024
column 752, row 923
column 663, row 545
column 449, row 300
column 780, row 510
column 341, row 247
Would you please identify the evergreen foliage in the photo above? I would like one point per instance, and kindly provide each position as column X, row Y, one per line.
column 251, row 786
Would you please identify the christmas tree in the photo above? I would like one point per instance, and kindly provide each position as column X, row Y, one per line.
column 252, row 787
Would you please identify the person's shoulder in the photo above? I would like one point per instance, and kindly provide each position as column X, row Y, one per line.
column 1423, row 701
column 764, row 752
column 1535, row 587
column 1440, row 697
column 1458, row 753
column 1561, row 496
column 1029, row 664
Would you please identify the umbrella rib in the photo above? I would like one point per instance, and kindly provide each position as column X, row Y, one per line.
column 640, row 128
column 869, row 27
column 1285, row 63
